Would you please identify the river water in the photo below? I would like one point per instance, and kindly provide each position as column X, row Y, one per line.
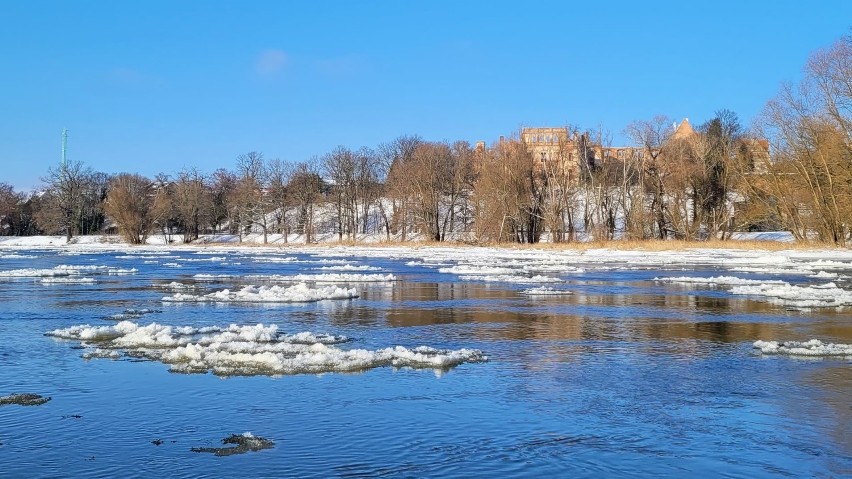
column 647, row 367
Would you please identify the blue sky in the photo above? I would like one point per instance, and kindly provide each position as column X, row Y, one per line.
column 155, row 86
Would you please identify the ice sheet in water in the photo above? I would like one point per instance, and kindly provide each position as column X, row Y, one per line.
column 720, row 280
column 821, row 296
column 251, row 349
column 814, row 347
column 297, row 293
column 545, row 291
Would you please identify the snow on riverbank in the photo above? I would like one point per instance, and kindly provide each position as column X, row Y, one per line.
column 251, row 349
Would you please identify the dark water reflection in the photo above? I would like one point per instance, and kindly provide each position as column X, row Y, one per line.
column 625, row 377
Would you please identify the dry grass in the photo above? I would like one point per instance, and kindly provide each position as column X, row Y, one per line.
column 632, row 245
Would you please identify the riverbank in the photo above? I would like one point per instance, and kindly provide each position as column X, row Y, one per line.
column 767, row 241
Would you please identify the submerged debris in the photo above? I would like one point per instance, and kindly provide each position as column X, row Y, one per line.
column 244, row 443
column 24, row 399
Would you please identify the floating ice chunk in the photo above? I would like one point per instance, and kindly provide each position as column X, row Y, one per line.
column 720, row 280
column 545, row 291
column 327, row 278
column 122, row 271
column 508, row 278
column 297, row 293
column 471, row 269
column 273, row 259
column 67, row 280
column 824, row 275
column 819, row 296
column 350, row 267
column 827, row 264
column 99, row 353
column 132, row 314
column 35, row 273
column 252, row 349
column 174, row 285
column 213, row 277
column 814, row 347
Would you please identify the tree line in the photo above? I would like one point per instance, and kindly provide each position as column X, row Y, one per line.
column 791, row 171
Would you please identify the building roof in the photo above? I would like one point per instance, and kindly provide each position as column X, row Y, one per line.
column 684, row 130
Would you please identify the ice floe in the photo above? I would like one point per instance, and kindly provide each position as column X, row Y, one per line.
column 64, row 270
column 476, row 270
column 350, row 267
column 326, row 278
column 814, row 347
column 297, row 293
column 251, row 349
column 510, row 278
column 817, row 296
column 132, row 314
column 545, row 291
column 67, row 280
column 720, row 280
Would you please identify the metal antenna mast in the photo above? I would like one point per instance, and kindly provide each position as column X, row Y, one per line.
column 64, row 145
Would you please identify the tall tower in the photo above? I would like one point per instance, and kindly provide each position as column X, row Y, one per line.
column 64, row 145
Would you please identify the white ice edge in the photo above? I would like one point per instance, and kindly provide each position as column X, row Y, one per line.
column 812, row 348
column 251, row 349
column 297, row 293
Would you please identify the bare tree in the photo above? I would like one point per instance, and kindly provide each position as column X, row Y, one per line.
column 193, row 203
column 130, row 203
column 652, row 138
column 306, row 188
column 223, row 184
column 277, row 176
column 808, row 126
column 251, row 195
column 65, row 185
column 397, row 152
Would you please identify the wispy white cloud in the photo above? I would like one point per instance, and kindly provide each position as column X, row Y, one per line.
column 271, row 62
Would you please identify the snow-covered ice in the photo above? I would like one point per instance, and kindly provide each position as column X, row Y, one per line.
column 545, row 291
column 297, row 293
column 811, row 348
column 720, row 280
column 251, row 349
column 817, row 296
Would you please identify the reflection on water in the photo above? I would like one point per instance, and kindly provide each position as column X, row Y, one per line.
column 626, row 376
